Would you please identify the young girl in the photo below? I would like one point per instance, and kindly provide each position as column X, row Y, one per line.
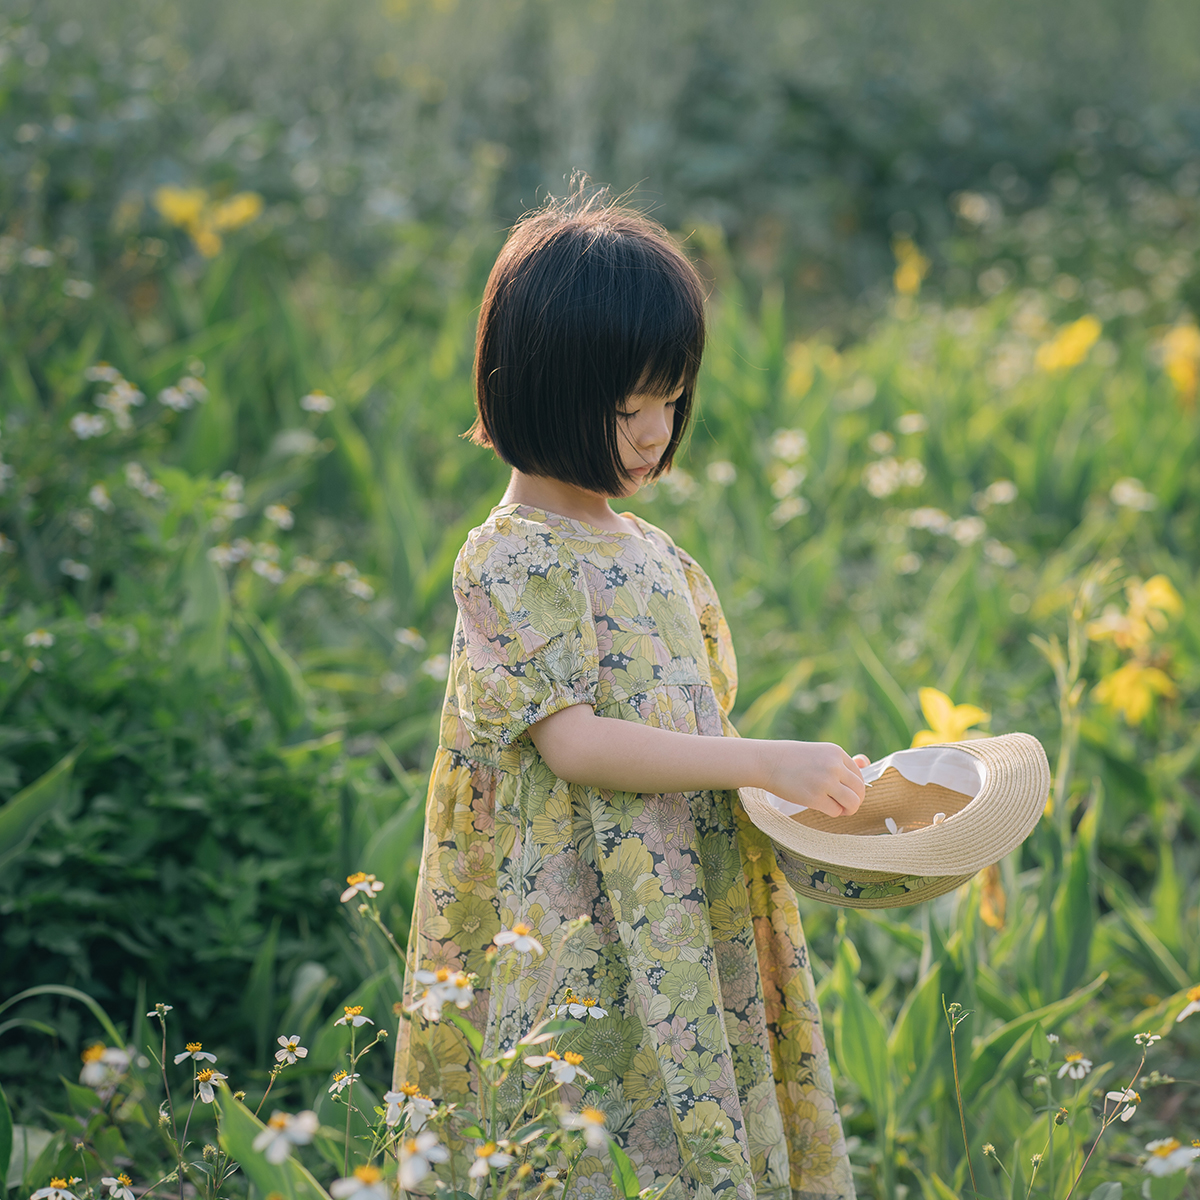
column 587, row 763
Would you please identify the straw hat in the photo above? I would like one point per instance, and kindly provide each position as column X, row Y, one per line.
column 932, row 817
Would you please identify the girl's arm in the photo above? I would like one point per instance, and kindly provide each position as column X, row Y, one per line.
column 580, row 747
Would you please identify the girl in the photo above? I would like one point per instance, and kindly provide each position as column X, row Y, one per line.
column 587, row 764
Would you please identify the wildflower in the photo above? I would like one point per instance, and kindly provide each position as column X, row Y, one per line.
column 119, row 401
column 1148, row 1039
column 881, row 442
column 1181, row 360
column 361, row 883
column 442, row 987
column 37, row 256
column 39, row 637
column 1193, row 1001
column 575, row 1006
column 191, row 210
column 989, row 1150
column 787, row 510
column 88, row 425
column 998, row 553
column 1128, row 1097
column 890, row 822
column 316, row 402
column 205, row 1080
column 189, row 385
column 1131, row 493
column 102, row 372
column 291, row 1051
column 1052, row 1038
column 352, row 1015
column 932, row 519
column 410, row 638
column 521, row 938
column 161, row 1010
column 412, row 1103
column 360, row 589
column 968, row 530
column 75, row 570
column 283, row 1131
column 175, row 399
column 488, row 1156
column 589, row 1122
column 103, row 1067
column 417, row 1156
column 98, row 497
column 948, row 721
column 1075, row 1065
column 1061, row 1116
column 1168, row 1155
column 564, row 1067
column 280, row 515
column 789, row 445
column 341, row 1081
column 1130, row 690
column 195, row 1050
column 118, row 1186
column 912, row 422
column 364, row 1183
column 1070, row 346
column 1149, row 605
column 1036, row 1161
column 437, row 666
column 58, row 1190
column 911, row 266
column 722, row 473
column 1003, row 491
column 271, row 572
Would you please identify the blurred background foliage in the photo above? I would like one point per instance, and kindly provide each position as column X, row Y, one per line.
column 949, row 405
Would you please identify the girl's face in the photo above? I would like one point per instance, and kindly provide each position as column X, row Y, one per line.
column 645, row 423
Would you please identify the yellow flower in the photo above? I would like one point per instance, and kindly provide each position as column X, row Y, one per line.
column 1130, row 690
column 948, row 722
column 1069, row 347
column 911, row 266
column 93, row 1053
column 1149, row 605
column 190, row 209
column 1181, row 360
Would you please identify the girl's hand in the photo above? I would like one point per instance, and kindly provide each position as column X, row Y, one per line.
column 818, row 775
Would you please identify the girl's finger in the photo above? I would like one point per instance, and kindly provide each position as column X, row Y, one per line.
column 828, row 805
column 849, row 799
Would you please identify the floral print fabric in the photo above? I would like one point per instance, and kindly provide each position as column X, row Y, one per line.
column 695, row 948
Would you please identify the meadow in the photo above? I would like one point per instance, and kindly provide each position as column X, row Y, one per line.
column 231, row 493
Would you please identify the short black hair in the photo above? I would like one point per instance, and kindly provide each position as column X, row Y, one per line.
column 588, row 302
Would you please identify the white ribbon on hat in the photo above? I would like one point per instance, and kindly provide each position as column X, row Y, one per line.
column 944, row 765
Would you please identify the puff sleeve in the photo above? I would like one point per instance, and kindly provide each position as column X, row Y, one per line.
column 526, row 635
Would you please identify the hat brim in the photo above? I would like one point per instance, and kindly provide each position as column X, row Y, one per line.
column 858, row 870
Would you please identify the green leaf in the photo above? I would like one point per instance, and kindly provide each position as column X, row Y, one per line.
column 27, row 1146
column 59, row 989
column 1039, row 1044
column 205, row 612
column 1108, row 1191
column 860, row 1035
column 473, row 1036
column 1121, row 897
column 898, row 707
column 238, row 1129
column 24, row 814
column 624, row 1175
column 280, row 682
column 1166, row 1187
column 6, row 1135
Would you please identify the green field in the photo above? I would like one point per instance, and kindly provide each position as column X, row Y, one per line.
column 226, row 608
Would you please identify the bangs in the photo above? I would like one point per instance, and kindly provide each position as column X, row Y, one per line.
column 582, row 309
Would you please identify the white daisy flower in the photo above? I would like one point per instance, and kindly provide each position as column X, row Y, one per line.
column 102, row 372
column 283, row 1131
column 1147, row 1039
column 205, row 1080
column 564, row 1067
column 291, row 1051
column 1052, row 1038
column 58, row 1190
column 364, row 1183
column 487, row 1157
column 87, row 425
column 361, row 883
column 1129, row 1098
column 1169, row 1155
column 118, row 1186
column 341, row 1081
column 39, row 637
column 578, row 1006
column 521, row 938
column 1192, row 1006
column 417, row 1156
column 589, row 1122
column 352, row 1015
column 1075, row 1065
column 280, row 515
column 316, row 402
column 195, row 1050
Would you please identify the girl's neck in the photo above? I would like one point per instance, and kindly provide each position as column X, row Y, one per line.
column 553, row 495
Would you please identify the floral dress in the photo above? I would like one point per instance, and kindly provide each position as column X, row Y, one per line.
column 694, row 950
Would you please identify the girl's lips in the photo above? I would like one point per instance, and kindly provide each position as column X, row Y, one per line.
column 642, row 470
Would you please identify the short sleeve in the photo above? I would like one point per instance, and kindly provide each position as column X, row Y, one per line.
column 525, row 645
column 722, row 662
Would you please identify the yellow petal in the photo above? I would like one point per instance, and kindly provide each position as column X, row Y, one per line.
column 1160, row 593
column 936, row 706
column 926, row 737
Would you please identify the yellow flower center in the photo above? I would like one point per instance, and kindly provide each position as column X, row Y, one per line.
column 460, row 980
column 410, row 1147
column 443, row 973
column 488, row 1148
column 357, row 877
column 1074, row 1056
column 352, row 1010
column 410, row 1089
column 573, row 1058
column 278, row 1121
column 124, row 1179
column 521, row 929
column 368, row 1174
column 553, row 1054
column 192, row 1047
column 588, row 1003
column 1193, row 994
column 59, row 1183
column 338, row 1076
column 205, row 1075
column 93, row 1053
column 594, row 1115
column 1167, row 1148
